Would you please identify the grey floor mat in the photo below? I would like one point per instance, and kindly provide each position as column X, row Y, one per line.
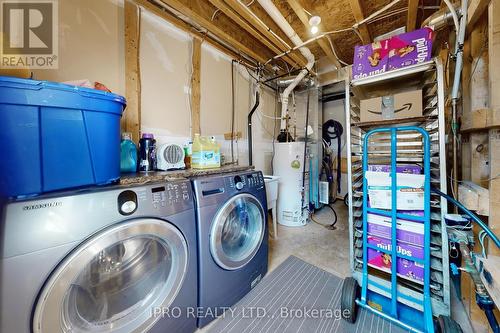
column 279, row 303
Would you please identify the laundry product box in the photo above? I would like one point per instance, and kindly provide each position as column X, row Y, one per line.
column 410, row 48
column 407, row 269
column 370, row 59
column 407, row 232
column 398, row 106
column 410, row 190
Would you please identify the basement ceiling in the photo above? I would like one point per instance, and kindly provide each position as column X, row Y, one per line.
column 233, row 24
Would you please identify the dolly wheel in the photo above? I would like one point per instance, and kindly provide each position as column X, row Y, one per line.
column 346, row 199
column 348, row 306
column 447, row 325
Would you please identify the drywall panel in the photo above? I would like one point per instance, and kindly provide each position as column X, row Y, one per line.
column 91, row 43
column 165, row 56
column 264, row 128
column 216, row 102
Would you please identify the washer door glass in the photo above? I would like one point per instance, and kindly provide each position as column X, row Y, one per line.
column 237, row 231
column 113, row 282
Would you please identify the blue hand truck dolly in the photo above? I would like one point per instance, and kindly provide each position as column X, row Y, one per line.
column 391, row 309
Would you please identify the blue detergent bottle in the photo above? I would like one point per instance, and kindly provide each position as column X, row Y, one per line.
column 128, row 160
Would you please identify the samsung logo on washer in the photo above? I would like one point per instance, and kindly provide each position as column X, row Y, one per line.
column 43, row 205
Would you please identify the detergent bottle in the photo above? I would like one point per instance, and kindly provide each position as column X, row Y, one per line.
column 216, row 149
column 196, row 152
column 128, row 154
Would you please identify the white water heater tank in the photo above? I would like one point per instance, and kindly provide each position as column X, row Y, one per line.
column 288, row 164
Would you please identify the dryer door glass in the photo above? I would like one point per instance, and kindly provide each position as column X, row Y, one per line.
column 237, row 232
column 114, row 281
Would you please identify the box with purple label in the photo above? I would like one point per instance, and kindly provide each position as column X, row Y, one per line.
column 407, row 232
column 410, row 48
column 400, row 168
column 407, row 269
column 409, row 192
column 370, row 59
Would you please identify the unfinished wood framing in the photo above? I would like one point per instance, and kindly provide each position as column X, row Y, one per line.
column 357, row 10
column 131, row 120
column 222, row 29
column 196, row 87
column 189, row 29
column 224, row 8
column 301, row 14
column 411, row 21
column 475, row 10
column 266, row 31
column 494, row 134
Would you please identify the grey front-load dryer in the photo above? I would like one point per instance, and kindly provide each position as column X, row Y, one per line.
column 119, row 259
column 232, row 239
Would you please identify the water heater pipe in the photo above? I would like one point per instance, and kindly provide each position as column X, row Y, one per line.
column 276, row 15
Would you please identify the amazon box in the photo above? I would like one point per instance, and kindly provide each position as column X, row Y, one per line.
column 399, row 106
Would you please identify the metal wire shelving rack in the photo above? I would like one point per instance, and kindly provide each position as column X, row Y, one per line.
column 429, row 77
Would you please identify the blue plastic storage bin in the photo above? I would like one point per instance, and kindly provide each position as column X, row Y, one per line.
column 55, row 136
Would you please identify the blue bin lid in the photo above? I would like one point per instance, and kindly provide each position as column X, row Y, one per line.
column 30, row 84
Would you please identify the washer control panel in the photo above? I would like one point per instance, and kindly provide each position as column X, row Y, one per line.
column 250, row 180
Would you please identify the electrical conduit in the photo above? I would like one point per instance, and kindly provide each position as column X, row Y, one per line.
column 276, row 15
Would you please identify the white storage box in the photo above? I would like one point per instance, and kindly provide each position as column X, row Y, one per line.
column 410, row 190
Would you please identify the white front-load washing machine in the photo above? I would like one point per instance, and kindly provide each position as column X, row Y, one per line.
column 118, row 259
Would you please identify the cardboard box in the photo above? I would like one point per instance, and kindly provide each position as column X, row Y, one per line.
column 410, row 48
column 407, row 269
column 403, row 105
column 407, row 232
column 370, row 59
column 399, row 51
column 400, row 168
column 410, row 190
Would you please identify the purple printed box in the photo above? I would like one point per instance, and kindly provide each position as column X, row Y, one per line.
column 399, row 51
column 403, row 168
column 370, row 59
column 410, row 48
column 407, row 269
column 408, row 232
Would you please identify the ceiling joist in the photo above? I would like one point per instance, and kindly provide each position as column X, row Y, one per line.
column 263, row 29
column 411, row 22
column 247, row 32
column 357, row 11
column 231, row 35
column 162, row 13
column 224, row 8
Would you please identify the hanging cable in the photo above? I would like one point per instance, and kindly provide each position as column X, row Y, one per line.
column 330, row 226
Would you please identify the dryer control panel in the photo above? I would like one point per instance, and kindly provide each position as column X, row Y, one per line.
column 156, row 199
column 170, row 194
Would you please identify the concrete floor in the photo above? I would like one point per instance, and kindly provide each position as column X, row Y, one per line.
column 314, row 243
